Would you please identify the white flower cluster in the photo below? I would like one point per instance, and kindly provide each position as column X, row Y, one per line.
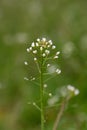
column 44, row 50
column 73, row 90
column 43, row 47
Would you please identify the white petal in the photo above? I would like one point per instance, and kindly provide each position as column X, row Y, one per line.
column 38, row 40
column 28, row 50
column 26, row 63
column 55, row 57
column 53, row 47
column 44, row 39
column 50, row 42
column 35, row 51
column 58, row 52
column 76, row 92
column 35, row 59
column 33, row 44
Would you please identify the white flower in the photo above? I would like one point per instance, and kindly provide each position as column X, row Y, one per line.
column 33, row 44
column 35, row 51
column 37, row 44
column 48, row 46
column 47, row 52
column 48, row 65
column 25, row 78
column 73, row 89
column 35, row 59
column 50, row 42
column 55, row 57
column 58, row 71
column 53, row 47
column 41, row 48
column 45, row 85
column 26, row 63
column 44, row 39
column 58, row 52
column 28, row 50
column 76, row 92
column 43, row 54
column 38, row 40
column 50, row 94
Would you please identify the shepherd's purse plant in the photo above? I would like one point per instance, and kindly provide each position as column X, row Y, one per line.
column 45, row 56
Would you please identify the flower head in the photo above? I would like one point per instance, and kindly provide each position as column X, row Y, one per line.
column 73, row 90
column 42, row 47
column 44, row 50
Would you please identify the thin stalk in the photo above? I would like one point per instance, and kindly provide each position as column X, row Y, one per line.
column 41, row 96
column 59, row 115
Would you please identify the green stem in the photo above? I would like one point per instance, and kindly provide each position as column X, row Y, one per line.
column 41, row 96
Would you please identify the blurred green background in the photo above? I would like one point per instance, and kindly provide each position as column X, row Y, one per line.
column 21, row 22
